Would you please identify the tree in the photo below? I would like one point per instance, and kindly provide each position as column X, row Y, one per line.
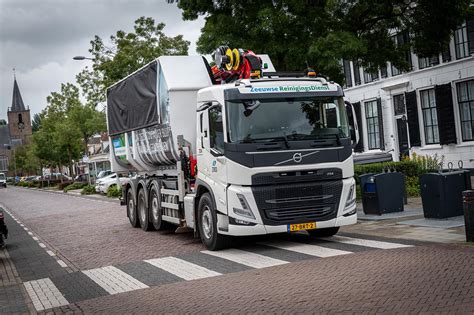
column 126, row 53
column 66, row 126
column 36, row 122
column 321, row 33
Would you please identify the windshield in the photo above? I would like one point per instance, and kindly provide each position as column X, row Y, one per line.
column 291, row 119
column 2, row 176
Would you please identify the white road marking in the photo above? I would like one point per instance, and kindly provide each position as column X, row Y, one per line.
column 61, row 263
column 114, row 280
column 35, row 238
column 29, row 233
column 42, row 245
column 366, row 243
column 50, row 253
column 313, row 250
column 246, row 258
column 44, row 294
column 181, row 268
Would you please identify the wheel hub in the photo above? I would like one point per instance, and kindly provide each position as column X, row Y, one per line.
column 142, row 210
column 207, row 222
column 130, row 209
column 154, row 207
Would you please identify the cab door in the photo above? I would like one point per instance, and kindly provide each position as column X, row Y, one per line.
column 211, row 161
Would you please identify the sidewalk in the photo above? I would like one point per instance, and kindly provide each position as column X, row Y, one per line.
column 409, row 224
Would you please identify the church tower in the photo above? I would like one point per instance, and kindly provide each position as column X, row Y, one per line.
column 19, row 120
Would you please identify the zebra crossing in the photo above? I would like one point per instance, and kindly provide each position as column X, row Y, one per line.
column 74, row 287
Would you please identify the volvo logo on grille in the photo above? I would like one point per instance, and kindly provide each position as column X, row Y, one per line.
column 297, row 157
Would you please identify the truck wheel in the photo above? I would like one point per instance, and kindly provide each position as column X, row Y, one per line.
column 324, row 232
column 143, row 211
column 155, row 208
column 131, row 209
column 208, row 225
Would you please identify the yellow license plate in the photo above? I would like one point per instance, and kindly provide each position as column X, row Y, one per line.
column 301, row 226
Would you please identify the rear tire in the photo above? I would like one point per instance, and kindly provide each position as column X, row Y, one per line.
column 131, row 209
column 207, row 220
column 142, row 210
column 326, row 232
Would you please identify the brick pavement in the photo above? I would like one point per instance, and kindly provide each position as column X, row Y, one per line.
column 110, row 243
column 426, row 279
column 73, row 227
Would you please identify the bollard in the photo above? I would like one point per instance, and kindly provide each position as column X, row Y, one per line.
column 468, row 205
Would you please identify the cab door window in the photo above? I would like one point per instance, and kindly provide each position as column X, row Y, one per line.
column 216, row 129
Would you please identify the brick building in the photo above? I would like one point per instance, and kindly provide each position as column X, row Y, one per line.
column 14, row 132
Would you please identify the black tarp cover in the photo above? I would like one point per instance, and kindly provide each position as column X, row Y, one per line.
column 132, row 103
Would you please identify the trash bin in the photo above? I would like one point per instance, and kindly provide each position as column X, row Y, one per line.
column 382, row 193
column 441, row 193
column 468, row 205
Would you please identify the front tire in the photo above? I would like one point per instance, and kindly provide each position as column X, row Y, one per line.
column 327, row 232
column 208, row 225
column 142, row 209
column 131, row 209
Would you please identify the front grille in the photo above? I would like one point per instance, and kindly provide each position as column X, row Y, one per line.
column 298, row 202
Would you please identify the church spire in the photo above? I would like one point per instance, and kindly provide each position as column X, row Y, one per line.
column 17, row 101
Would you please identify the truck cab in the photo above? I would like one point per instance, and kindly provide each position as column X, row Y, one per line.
column 274, row 155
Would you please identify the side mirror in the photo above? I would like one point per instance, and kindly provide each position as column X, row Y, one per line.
column 352, row 120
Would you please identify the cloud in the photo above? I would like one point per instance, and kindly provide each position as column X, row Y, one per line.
column 39, row 39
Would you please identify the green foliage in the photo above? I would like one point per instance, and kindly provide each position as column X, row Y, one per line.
column 66, row 126
column 114, row 192
column 88, row 190
column 36, row 122
column 23, row 184
column 126, row 53
column 321, row 33
column 24, row 160
column 74, row 186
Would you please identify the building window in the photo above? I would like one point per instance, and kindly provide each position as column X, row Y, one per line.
column 466, row 109
column 383, row 72
column 372, row 117
column 430, row 116
column 402, row 39
column 370, row 76
column 399, row 104
column 461, row 45
column 347, row 72
column 3, row 163
column 357, row 80
column 425, row 62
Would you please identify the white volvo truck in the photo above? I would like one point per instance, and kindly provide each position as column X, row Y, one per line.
column 259, row 155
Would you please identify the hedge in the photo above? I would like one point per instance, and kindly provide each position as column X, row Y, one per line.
column 74, row 186
column 88, row 190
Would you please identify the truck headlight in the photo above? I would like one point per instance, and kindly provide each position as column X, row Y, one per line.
column 351, row 197
column 245, row 210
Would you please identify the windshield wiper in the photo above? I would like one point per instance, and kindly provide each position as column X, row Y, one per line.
column 285, row 140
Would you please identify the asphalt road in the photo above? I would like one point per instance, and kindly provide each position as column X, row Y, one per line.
column 77, row 254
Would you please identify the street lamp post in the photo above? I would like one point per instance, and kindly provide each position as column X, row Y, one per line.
column 82, row 58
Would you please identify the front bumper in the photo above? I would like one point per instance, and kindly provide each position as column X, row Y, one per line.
column 260, row 229
column 235, row 224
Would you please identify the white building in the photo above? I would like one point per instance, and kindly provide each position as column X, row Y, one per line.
column 428, row 110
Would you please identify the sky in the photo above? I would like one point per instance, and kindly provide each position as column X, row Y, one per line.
column 39, row 38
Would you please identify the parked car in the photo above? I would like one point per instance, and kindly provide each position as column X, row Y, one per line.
column 103, row 184
column 3, row 180
column 103, row 174
column 82, row 178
